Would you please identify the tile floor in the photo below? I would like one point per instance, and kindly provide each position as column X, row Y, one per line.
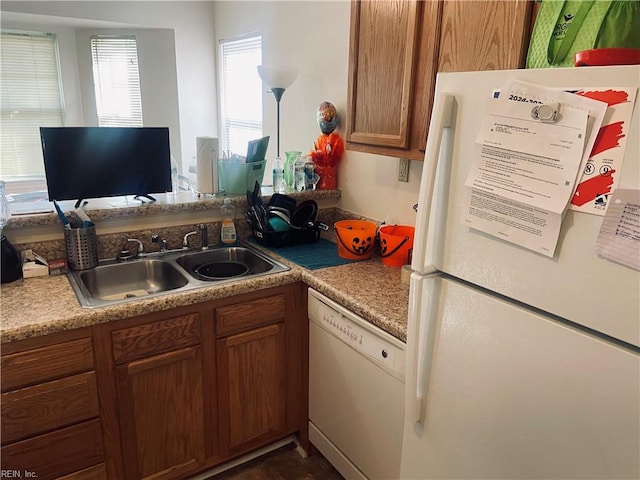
column 283, row 464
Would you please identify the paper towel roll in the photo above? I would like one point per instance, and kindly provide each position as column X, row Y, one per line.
column 207, row 165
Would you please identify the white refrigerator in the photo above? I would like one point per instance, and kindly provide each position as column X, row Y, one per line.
column 519, row 365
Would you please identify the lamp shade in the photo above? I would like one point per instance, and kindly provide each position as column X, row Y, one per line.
column 277, row 76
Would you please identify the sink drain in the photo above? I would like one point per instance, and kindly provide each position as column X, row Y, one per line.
column 221, row 270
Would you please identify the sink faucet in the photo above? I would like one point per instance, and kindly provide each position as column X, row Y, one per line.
column 185, row 239
column 126, row 254
column 162, row 242
column 204, row 236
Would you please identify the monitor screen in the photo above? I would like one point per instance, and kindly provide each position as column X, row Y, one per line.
column 93, row 162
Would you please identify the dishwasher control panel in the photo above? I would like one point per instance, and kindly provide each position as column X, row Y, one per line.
column 367, row 339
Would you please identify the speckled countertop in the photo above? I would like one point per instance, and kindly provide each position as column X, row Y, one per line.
column 45, row 305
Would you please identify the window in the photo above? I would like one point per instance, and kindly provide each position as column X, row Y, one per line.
column 240, row 92
column 31, row 98
column 116, row 81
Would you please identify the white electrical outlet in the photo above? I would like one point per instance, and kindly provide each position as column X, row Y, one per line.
column 403, row 170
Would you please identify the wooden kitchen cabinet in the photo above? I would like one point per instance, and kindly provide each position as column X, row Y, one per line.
column 187, row 389
column 163, row 395
column 156, row 366
column 398, row 46
column 51, row 425
column 262, row 363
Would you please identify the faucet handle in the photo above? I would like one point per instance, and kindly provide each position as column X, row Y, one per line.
column 204, row 236
column 155, row 238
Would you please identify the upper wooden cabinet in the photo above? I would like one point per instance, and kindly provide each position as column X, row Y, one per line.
column 398, row 46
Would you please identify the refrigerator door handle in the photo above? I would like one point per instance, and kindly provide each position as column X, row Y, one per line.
column 423, row 308
column 441, row 118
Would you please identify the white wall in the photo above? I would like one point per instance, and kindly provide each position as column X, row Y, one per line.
column 314, row 36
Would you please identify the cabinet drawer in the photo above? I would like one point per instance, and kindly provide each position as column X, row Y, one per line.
column 161, row 336
column 236, row 318
column 57, row 453
column 97, row 472
column 40, row 408
column 46, row 363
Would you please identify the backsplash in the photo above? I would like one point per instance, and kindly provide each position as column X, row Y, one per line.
column 111, row 243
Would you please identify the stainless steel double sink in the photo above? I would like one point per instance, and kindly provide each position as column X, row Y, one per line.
column 176, row 271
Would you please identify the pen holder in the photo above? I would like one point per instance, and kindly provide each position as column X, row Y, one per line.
column 82, row 247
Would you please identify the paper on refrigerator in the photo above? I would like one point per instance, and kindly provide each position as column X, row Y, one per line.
column 523, row 173
column 519, row 91
column 619, row 237
column 607, row 130
column 601, row 172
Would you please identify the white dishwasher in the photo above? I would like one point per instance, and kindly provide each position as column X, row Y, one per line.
column 356, row 392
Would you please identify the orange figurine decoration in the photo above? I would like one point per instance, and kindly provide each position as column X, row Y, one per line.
column 328, row 148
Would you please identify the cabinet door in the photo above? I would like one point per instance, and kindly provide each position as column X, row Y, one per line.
column 381, row 67
column 488, row 35
column 252, row 374
column 162, row 418
column 398, row 47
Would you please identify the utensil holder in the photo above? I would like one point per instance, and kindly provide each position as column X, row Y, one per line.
column 82, row 247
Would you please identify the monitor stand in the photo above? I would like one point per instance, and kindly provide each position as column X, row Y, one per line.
column 146, row 195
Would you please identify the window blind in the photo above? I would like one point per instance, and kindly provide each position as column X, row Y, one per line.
column 31, row 98
column 241, row 92
column 116, row 81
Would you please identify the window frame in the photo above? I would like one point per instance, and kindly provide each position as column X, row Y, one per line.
column 115, row 47
column 253, row 127
column 50, row 100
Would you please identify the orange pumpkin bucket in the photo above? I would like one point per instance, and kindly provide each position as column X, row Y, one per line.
column 396, row 243
column 355, row 238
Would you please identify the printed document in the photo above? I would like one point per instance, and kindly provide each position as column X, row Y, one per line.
column 619, row 237
column 524, row 172
column 607, row 132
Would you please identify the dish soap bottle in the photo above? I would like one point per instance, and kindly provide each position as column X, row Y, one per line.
column 228, row 229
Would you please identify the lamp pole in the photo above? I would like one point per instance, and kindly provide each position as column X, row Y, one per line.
column 277, row 93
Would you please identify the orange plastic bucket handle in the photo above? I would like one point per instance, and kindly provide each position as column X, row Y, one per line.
column 405, row 240
column 349, row 249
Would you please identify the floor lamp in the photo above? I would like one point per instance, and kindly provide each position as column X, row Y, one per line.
column 278, row 78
